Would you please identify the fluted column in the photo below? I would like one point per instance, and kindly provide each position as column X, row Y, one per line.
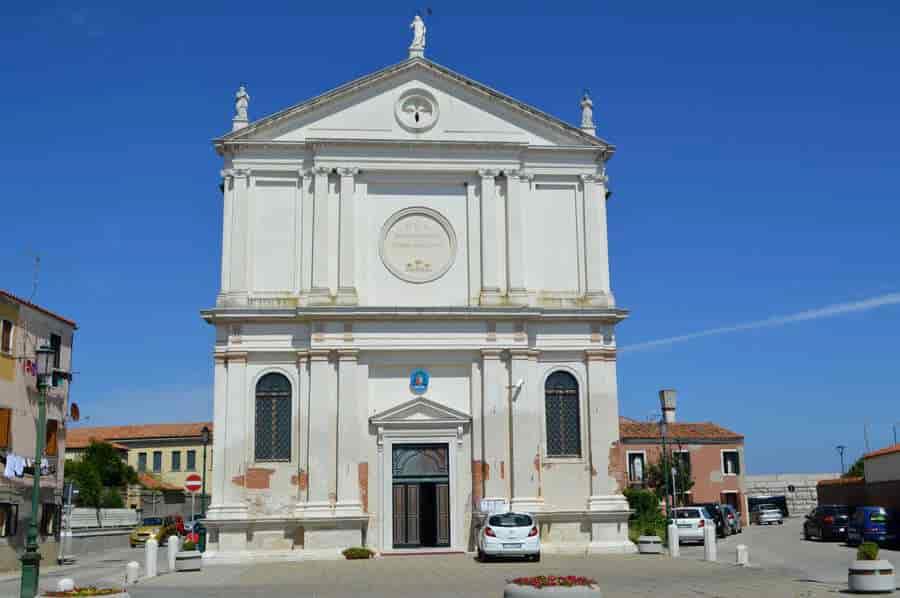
column 347, row 235
column 319, row 293
column 597, row 290
column 515, row 237
column 496, row 425
column 490, row 247
column 351, row 435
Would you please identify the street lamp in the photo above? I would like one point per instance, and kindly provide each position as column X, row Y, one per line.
column 667, row 408
column 840, row 449
column 204, row 438
column 31, row 558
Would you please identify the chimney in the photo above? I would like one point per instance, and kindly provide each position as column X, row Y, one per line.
column 667, row 404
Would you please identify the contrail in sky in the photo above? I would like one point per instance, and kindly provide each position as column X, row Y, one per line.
column 811, row 314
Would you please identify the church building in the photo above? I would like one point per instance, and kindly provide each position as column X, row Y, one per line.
column 415, row 320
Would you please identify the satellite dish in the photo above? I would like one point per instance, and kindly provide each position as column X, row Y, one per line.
column 74, row 412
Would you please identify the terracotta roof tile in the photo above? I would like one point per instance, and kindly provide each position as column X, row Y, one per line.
column 38, row 308
column 81, row 437
column 888, row 450
column 148, row 481
column 630, row 429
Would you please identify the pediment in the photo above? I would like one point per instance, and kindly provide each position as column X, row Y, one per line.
column 372, row 108
column 420, row 411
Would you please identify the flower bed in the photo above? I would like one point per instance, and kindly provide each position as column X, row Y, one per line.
column 88, row 591
column 552, row 581
column 355, row 553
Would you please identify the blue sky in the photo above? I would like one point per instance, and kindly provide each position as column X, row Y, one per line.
column 755, row 177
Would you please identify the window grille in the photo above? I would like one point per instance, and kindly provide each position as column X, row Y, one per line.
column 563, row 415
column 273, row 418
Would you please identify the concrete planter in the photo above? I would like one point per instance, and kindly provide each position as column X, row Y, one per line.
column 189, row 560
column 867, row 577
column 516, row 591
column 650, row 545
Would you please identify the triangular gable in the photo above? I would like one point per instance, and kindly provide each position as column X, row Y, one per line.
column 419, row 411
column 271, row 127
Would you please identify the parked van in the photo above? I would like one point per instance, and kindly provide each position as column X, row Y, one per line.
column 871, row 524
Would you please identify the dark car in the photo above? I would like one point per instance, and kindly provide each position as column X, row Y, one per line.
column 715, row 511
column 827, row 522
column 871, row 524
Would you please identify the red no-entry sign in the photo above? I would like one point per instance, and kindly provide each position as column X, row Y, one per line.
column 192, row 483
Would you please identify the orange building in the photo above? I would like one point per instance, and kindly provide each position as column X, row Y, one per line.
column 715, row 455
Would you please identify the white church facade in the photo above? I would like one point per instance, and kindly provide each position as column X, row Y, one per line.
column 415, row 315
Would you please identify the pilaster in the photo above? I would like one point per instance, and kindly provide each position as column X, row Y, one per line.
column 307, row 234
column 515, row 237
column 603, row 416
column 347, row 294
column 490, row 258
column 473, row 209
column 323, row 433
column 319, row 293
column 597, row 291
column 231, row 461
column 227, row 225
column 302, row 432
column 526, row 407
column 238, row 281
column 220, row 422
column 496, row 424
column 351, row 435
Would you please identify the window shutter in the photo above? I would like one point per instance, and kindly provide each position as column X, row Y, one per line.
column 52, row 440
column 5, row 421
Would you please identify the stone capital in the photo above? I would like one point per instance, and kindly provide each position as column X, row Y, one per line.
column 220, row 358
column 600, row 355
column 587, row 178
column 512, row 173
column 522, row 353
column 236, row 356
column 487, row 173
column 302, row 358
column 321, row 170
column 348, row 171
column 319, row 354
column 492, row 353
column 348, row 354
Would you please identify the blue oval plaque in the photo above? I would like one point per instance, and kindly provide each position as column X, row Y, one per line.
column 418, row 381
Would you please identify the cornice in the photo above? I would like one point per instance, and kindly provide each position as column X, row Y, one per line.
column 600, row 354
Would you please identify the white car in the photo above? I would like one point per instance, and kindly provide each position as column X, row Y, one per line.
column 509, row 534
column 691, row 521
column 767, row 515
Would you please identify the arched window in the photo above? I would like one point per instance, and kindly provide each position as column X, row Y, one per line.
column 273, row 418
column 563, row 415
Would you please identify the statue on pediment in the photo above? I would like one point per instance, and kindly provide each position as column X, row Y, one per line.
column 241, row 102
column 419, row 30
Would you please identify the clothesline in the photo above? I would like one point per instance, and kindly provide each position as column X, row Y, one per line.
column 16, row 466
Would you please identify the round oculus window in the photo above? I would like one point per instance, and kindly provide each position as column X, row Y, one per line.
column 416, row 110
column 418, row 245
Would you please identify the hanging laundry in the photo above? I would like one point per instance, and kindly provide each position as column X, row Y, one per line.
column 45, row 466
column 10, row 470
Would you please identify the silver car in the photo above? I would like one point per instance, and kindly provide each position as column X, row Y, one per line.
column 767, row 515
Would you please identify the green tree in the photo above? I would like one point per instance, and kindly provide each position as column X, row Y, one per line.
column 657, row 476
column 99, row 476
column 857, row 470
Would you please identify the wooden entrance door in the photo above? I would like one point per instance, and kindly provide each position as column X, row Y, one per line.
column 421, row 496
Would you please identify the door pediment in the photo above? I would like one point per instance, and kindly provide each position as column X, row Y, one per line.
column 418, row 412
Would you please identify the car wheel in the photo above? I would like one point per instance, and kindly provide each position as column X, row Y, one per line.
column 536, row 558
column 481, row 557
column 781, row 523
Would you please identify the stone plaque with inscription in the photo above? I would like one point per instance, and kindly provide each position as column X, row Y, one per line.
column 418, row 245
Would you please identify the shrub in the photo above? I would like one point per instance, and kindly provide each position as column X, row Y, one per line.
column 189, row 545
column 643, row 502
column 867, row 551
column 357, row 552
column 111, row 499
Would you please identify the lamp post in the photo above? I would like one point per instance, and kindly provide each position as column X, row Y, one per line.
column 840, row 449
column 204, row 437
column 667, row 409
column 31, row 558
column 663, row 431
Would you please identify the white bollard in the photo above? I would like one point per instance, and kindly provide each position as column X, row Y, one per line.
column 173, row 550
column 709, row 542
column 742, row 556
column 674, row 548
column 150, row 550
column 132, row 571
column 66, row 584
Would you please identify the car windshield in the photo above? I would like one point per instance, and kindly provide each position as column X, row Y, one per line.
column 510, row 520
column 152, row 521
column 768, row 508
column 687, row 514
